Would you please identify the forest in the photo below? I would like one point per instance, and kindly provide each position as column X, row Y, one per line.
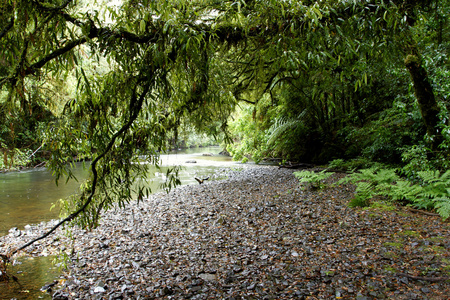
column 355, row 85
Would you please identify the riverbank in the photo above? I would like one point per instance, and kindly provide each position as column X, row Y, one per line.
column 255, row 235
column 28, row 195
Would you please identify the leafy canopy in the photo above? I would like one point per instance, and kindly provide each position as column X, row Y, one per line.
column 164, row 63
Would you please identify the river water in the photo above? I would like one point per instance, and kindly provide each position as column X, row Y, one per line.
column 27, row 196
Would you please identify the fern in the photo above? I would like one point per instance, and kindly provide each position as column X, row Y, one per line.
column 443, row 207
column 282, row 125
column 371, row 182
column 315, row 179
column 435, row 192
column 432, row 191
column 403, row 190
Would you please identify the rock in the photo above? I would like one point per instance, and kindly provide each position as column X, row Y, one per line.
column 135, row 265
column 116, row 296
column 15, row 232
column 13, row 229
column 28, row 228
column 224, row 152
column 191, row 161
column 99, row 289
column 48, row 287
column 60, row 295
column 246, row 237
column 207, row 276
column 126, row 230
column 221, row 220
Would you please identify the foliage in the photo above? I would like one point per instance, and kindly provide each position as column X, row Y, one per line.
column 354, row 164
column 129, row 81
column 316, row 179
column 248, row 134
column 15, row 157
column 430, row 190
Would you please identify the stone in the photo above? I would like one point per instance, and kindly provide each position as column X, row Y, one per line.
column 99, row 289
column 207, row 276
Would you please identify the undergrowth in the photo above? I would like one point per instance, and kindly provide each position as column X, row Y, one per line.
column 316, row 179
column 427, row 190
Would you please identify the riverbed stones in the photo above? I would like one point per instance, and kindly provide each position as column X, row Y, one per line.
column 255, row 235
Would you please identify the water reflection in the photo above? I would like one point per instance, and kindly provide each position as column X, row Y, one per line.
column 32, row 274
column 26, row 197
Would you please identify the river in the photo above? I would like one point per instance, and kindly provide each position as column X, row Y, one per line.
column 26, row 198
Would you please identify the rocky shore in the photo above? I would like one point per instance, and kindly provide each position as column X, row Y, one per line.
column 256, row 235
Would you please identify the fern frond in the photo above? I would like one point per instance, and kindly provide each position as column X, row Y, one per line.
column 387, row 176
column 446, row 176
column 400, row 191
column 429, row 176
column 312, row 177
column 364, row 187
column 443, row 207
column 282, row 125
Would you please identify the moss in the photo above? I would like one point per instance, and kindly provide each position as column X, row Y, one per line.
column 390, row 255
column 436, row 239
column 383, row 206
column 411, row 60
column 409, row 233
column 403, row 214
column 436, row 249
column 394, row 245
column 389, row 268
column 359, row 202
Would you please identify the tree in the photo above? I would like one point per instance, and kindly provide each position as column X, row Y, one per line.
column 182, row 60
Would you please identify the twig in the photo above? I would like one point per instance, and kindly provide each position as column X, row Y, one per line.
column 423, row 212
column 431, row 279
column 35, row 151
column 40, row 164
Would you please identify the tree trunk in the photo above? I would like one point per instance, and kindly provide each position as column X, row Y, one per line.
column 425, row 98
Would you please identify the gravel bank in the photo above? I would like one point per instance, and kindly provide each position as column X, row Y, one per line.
column 255, row 235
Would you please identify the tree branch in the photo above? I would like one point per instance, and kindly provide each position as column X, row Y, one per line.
column 125, row 127
column 42, row 7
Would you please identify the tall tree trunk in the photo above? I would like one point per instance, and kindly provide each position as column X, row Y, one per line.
column 425, row 98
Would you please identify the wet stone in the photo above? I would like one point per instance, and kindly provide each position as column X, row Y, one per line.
column 254, row 235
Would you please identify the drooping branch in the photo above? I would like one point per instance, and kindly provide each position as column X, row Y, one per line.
column 69, row 46
column 137, row 108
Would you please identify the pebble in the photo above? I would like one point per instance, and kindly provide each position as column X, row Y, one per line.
column 255, row 235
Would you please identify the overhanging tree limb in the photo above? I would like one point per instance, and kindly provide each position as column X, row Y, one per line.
column 137, row 106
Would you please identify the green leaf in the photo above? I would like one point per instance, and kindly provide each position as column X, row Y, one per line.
column 142, row 26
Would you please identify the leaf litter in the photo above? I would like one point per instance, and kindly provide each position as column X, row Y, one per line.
column 256, row 235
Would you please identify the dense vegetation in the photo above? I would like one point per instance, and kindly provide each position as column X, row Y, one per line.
column 305, row 81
